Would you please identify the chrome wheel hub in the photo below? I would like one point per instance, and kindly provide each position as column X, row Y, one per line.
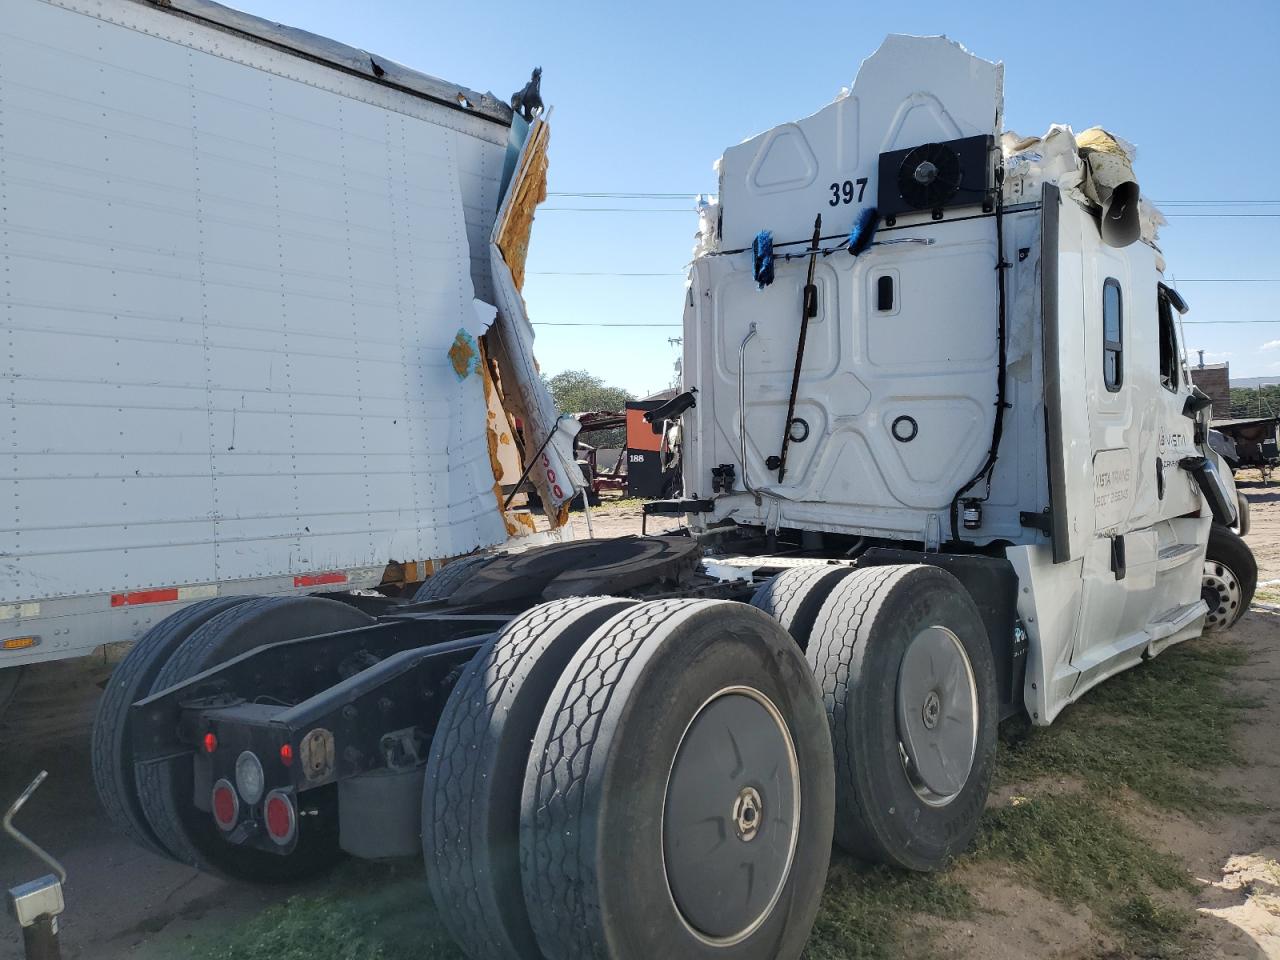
column 937, row 707
column 731, row 820
column 1221, row 592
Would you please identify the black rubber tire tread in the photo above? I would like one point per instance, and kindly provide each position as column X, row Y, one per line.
column 164, row 787
column 795, row 596
column 595, row 892
column 1227, row 548
column 10, row 679
column 440, row 586
column 879, row 816
column 475, row 774
column 1243, row 520
column 130, row 681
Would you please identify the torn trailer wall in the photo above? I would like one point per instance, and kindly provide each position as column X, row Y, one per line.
column 245, row 275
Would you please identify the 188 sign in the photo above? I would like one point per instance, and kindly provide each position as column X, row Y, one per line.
column 847, row 192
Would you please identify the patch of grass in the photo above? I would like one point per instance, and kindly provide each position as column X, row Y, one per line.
column 371, row 912
column 1155, row 729
column 863, row 910
column 1074, row 849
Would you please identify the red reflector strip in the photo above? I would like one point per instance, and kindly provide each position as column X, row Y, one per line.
column 163, row 595
column 318, row 579
column 144, row 596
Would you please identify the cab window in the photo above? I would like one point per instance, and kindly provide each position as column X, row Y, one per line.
column 1112, row 335
column 1168, row 345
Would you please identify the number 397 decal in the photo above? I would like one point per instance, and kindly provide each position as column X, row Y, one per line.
column 844, row 192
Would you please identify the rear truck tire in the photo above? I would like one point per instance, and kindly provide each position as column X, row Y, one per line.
column 1230, row 578
column 440, row 586
column 795, row 596
column 132, row 679
column 476, row 769
column 685, row 741
column 906, row 671
column 166, row 787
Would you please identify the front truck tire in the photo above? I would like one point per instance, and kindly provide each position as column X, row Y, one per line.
column 1229, row 581
column 475, row 774
column 907, row 675
column 111, row 743
column 679, row 797
column 166, row 788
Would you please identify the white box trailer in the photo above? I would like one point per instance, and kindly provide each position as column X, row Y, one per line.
column 236, row 259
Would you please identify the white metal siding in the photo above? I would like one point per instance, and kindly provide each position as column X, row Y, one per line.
column 230, row 279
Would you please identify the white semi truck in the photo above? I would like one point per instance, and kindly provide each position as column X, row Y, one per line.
column 943, row 465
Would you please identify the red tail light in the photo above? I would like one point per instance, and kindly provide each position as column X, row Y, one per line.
column 210, row 742
column 281, row 818
column 286, row 754
column 226, row 805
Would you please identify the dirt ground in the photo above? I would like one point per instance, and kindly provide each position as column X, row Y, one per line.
column 123, row 902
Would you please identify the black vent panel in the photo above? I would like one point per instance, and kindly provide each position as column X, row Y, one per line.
column 937, row 176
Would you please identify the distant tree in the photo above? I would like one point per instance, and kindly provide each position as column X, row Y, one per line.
column 577, row 391
column 1255, row 402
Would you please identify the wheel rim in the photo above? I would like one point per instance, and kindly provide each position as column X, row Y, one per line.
column 937, row 705
column 1220, row 590
column 731, row 819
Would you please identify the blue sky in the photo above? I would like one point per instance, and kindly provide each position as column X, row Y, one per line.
column 646, row 98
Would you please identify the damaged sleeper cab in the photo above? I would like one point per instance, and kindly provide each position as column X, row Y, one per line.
column 943, row 465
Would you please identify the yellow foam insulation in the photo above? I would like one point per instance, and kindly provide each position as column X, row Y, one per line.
column 504, row 456
column 530, row 185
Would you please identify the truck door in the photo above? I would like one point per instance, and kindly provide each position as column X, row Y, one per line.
column 1102, row 419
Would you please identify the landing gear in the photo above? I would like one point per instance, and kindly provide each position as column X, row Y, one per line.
column 1230, row 578
column 906, row 670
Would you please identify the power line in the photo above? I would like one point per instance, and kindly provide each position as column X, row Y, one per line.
column 611, row 326
column 684, row 210
column 596, row 273
column 1189, row 322
column 625, row 196
column 689, row 194
column 689, row 210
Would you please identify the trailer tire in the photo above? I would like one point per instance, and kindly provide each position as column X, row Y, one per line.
column 131, row 680
column 795, row 596
column 440, row 586
column 898, row 651
column 1230, row 579
column 475, row 774
column 631, row 774
column 165, row 787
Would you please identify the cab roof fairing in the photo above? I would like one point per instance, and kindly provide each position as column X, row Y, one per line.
column 912, row 90
column 891, row 105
